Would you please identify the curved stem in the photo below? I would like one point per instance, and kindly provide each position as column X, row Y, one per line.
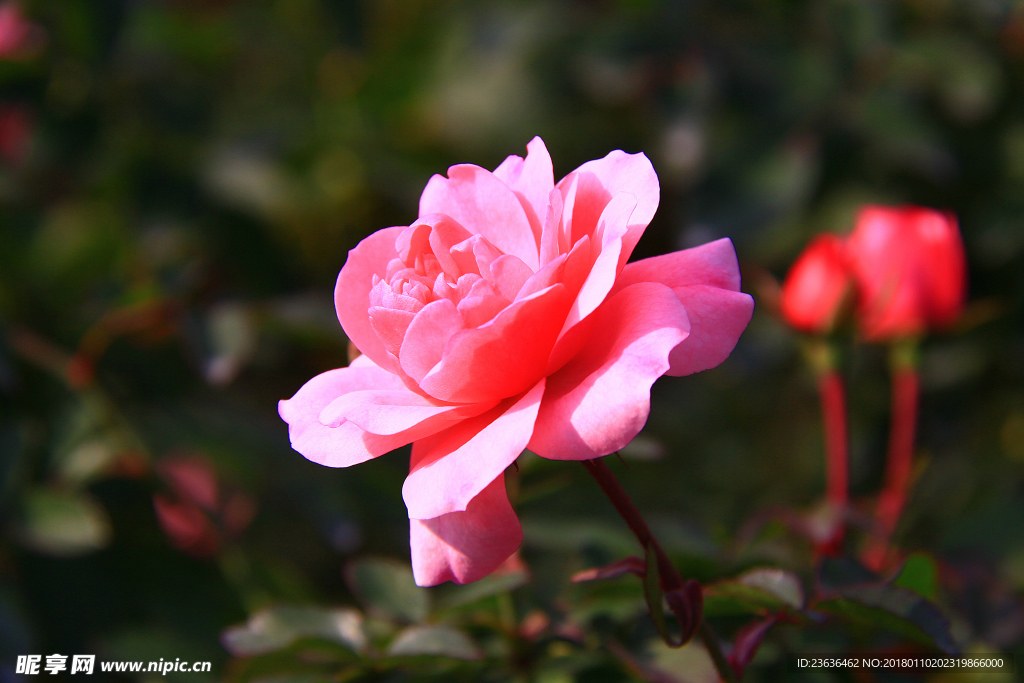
column 670, row 578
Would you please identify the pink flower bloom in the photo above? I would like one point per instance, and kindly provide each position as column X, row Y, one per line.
column 910, row 270
column 506, row 317
column 817, row 286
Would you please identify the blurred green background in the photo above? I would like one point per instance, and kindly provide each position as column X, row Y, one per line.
column 180, row 181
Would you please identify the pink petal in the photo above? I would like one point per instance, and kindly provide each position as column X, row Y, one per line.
column 532, row 179
column 481, row 303
column 450, row 468
column 600, row 180
column 508, row 274
column 706, row 279
column 445, row 234
column 484, row 205
column 427, row 335
column 346, row 444
column 387, row 412
column 600, row 400
column 611, row 228
column 352, row 293
column 712, row 264
column 390, row 325
column 569, row 269
column 717, row 319
column 503, row 357
column 551, row 231
column 466, row 546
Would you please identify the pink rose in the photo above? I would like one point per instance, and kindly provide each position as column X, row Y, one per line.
column 506, row 317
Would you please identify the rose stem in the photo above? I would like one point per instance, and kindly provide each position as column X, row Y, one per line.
column 823, row 358
column 670, row 578
column 905, row 390
column 833, row 407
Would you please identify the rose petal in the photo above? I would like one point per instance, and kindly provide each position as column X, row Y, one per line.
column 387, row 412
column 466, row 546
column 611, row 228
column 390, row 325
column 600, row 400
column 346, row 444
column 532, row 179
column 450, row 468
column 508, row 274
column 352, row 292
column 706, row 279
column 717, row 319
column 481, row 304
column 569, row 269
column 445, row 233
column 552, row 226
column 427, row 335
column 598, row 181
column 713, row 264
column 484, row 205
column 503, row 357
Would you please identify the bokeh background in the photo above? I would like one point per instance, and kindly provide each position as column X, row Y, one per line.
column 180, row 181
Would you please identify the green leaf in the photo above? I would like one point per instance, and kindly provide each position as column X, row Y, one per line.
column 279, row 627
column 439, row 640
column 87, row 461
column 895, row 609
column 387, row 588
column 64, row 523
column 919, row 574
column 755, row 592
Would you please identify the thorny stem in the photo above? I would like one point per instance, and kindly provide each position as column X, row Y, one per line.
column 670, row 578
column 905, row 391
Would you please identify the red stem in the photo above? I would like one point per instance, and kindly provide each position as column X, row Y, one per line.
column 905, row 391
column 833, row 407
column 670, row 578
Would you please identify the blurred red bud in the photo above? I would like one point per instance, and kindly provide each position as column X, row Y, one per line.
column 910, row 271
column 818, row 285
column 192, row 479
column 187, row 527
column 197, row 515
column 18, row 37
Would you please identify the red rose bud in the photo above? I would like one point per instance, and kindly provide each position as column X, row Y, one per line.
column 818, row 285
column 910, row 269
